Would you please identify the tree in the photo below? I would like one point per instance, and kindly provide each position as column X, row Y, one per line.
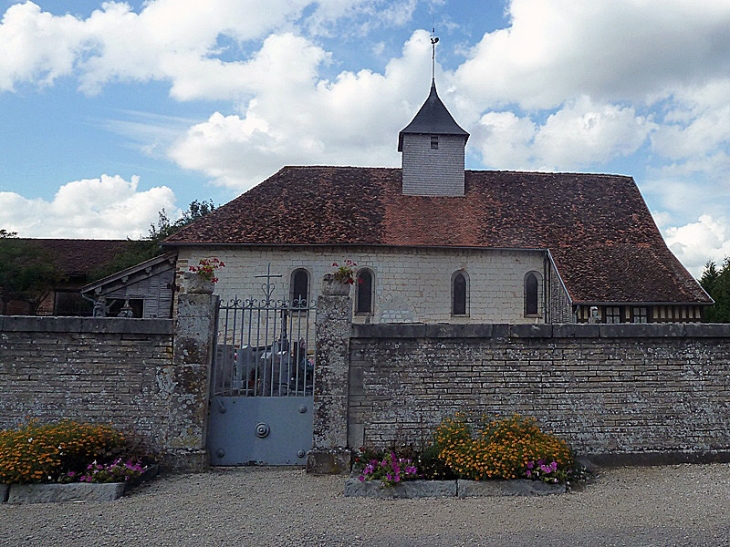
column 150, row 245
column 27, row 272
column 716, row 283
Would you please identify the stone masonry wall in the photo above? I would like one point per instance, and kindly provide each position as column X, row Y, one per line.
column 611, row 390
column 410, row 285
column 92, row 370
column 150, row 376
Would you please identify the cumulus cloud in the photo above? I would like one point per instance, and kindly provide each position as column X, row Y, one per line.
column 557, row 50
column 299, row 119
column 578, row 135
column 698, row 242
column 107, row 207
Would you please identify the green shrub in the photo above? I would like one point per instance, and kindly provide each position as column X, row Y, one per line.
column 42, row 453
column 507, row 448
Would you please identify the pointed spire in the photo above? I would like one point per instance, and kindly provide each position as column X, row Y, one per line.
column 432, row 119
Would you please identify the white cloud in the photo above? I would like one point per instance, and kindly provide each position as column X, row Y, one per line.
column 297, row 119
column 697, row 242
column 582, row 134
column 108, row 207
column 174, row 40
column 37, row 46
column 578, row 135
column 557, row 50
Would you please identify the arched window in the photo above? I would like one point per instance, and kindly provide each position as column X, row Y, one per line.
column 459, row 293
column 532, row 294
column 300, row 288
column 364, row 292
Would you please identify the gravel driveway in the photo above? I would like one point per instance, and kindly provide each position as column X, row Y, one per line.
column 674, row 505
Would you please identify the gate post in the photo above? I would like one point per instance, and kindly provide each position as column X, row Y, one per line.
column 330, row 454
column 189, row 383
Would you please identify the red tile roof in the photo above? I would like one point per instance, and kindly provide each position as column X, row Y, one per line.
column 597, row 227
column 80, row 257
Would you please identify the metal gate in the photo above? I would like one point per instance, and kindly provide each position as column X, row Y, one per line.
column 262, row 382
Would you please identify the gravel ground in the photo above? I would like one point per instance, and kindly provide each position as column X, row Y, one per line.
column 647, row 506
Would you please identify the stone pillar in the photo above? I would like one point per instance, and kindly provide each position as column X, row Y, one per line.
column 330, row 453
column 190, row 383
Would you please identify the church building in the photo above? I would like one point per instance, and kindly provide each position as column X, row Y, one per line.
column 435, row 243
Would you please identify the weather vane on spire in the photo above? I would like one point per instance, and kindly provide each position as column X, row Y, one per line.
column 434, row 41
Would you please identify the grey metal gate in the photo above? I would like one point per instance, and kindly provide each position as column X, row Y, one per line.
column 262, row 382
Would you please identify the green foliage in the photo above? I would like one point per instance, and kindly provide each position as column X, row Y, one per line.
column 717, row 284
column 27, row 272
column 150, row 246
column 507, row 448
column 43, row 453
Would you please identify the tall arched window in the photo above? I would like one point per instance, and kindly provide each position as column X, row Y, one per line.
column 364, row 292
column 532, row 294
column 459, row 293
column 300, row 288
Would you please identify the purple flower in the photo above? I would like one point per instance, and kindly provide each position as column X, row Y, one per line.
column 528, row 474
column 530, row 464
column 362, row 478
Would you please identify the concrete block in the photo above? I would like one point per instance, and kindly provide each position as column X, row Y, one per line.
column 405, row 489
column 517, row 487
column 53, row 493
column 4, row 489
column 329, row 462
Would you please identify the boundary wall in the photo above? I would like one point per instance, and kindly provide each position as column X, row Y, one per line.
column 149, row 376
column 618, row 393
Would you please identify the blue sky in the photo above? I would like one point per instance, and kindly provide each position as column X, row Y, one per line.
column 111, row 112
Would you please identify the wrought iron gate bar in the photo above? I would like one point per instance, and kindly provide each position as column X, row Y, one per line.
column 265, row 348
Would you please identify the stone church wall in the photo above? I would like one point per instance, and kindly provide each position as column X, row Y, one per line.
column 410, row 285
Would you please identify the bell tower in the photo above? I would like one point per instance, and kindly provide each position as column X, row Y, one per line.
column 432, row 148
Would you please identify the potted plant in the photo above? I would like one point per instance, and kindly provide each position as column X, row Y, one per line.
column 200, row 279
column 339, row 281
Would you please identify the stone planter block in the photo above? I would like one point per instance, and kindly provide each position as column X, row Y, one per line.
column 195, row 284
column 332, row 287
column 517, row 487
column 77, row 491
column 406, row 489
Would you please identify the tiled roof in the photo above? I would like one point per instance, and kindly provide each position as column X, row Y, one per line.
column 597, row 227
column 80, row 257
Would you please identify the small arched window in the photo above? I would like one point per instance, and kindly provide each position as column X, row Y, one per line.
column 300, row 288
column 364, row 292
column 459, row 293
column 532, row 294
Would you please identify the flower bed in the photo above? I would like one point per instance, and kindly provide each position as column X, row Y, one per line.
column 504, row 457
column 74, row 491
column 49, row 462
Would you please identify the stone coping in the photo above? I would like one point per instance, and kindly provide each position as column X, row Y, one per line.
column 101, row 325
column 454, row 488
column 498, row 331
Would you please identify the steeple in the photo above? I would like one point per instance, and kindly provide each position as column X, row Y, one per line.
column 432, row 119
column 433, row 151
